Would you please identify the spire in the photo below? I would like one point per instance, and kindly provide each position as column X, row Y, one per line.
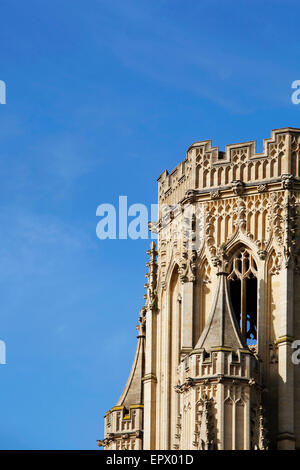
column 222, row 328
column 133, row 391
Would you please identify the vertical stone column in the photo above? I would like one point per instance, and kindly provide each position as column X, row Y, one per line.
column 149, row 381
column 287, row 161
column 247, row 426
column 165, row 385
column 249, row 363
column 262, row 309
column 286, row 436
column 187, row 316
column 220, row 417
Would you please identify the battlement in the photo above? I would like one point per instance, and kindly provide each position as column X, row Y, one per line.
column 123, row 428
column 207, row 167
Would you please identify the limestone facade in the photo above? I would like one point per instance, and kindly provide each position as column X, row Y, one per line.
column 213, row 367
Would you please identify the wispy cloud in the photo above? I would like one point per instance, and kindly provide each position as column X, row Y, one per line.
column 62, row 161
column 35, row 245
column 159, row 48
column 52, row 164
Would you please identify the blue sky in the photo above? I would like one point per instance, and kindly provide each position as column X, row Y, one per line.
column 102, row 96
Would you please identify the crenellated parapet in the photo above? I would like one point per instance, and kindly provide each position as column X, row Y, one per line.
column 257, row 202
column 123, row 428
column 207, row 168
column 222, row 382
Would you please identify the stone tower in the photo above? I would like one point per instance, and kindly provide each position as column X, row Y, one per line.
column 213, row 367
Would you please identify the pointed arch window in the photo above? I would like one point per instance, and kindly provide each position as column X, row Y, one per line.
column 243, row 292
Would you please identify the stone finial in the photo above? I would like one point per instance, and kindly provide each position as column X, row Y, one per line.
column 151, row 286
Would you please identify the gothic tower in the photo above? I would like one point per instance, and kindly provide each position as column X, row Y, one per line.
column 213, row 367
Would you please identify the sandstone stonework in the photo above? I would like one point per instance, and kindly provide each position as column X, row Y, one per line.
column 213, row 366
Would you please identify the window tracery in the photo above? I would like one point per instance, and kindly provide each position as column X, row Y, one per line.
column 243, row 292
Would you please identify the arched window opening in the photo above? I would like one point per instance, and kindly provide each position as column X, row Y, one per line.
column 243, row 293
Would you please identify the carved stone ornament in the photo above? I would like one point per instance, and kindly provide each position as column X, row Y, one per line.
column 185, row 386
column 287, row 181
column 215, row 194
column 187, row 266
column 204, row 436
column 151, row 286
column 190, row 195
column 262, row 187
column 237, row 187
column 263, row 442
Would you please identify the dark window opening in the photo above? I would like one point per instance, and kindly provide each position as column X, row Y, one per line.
column 235, row 295
column 251, row 310
column 243, row 293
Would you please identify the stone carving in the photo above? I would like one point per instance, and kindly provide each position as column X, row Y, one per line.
column 215, row 194
column 289, row 229
column 238, row 187
column 177, row 436
column 151, row 286
column 142, row 323
column 263, row 442
column 273, row 348
column 204, row 435
column 240, row 214
column 287, row 181
column 185, row 386
column 262, row 187
column 187, row 266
